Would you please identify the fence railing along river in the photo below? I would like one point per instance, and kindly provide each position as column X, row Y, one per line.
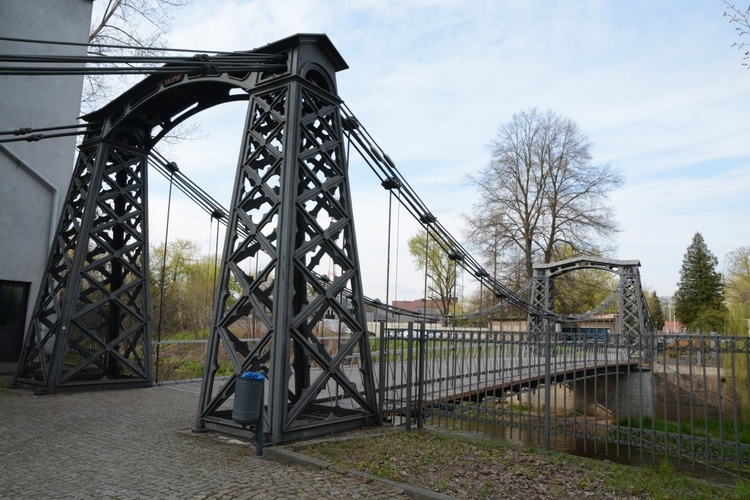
column 681, row 397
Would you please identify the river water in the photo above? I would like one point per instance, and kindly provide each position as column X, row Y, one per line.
column 586, row 412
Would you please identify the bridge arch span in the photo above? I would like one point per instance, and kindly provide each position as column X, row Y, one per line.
column 91, row 326
column 634, row 319
column 583, row 262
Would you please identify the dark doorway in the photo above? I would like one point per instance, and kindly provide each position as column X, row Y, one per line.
column 13, row 299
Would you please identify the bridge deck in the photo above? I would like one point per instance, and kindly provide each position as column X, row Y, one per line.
column 453, row 379
column 467, row 389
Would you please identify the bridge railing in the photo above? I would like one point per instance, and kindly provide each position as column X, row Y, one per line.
column 685, row 397
column 629, row 397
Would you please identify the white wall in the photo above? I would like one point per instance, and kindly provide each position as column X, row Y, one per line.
column 27, row 214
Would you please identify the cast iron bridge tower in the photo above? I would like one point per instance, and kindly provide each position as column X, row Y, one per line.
column 290, row 211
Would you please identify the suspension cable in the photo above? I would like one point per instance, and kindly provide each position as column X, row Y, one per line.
column 185, row 66
column 209, row 297
column 426, row 259
column 30, row 130
column 137, row 64
column 196, row 194
column 383, row 167
column 39, row 137
column 217, row 215
column 173, row 168
column 390, row 185
column 104, row 46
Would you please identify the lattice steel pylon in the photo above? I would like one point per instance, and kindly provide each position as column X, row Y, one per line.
column 290, row 218
column 541, row 299
column 634, row 320
column 90, row 321
column 291, row 211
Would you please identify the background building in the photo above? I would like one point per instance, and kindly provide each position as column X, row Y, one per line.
column 34, row 176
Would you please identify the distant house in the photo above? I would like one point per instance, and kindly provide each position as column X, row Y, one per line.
column 600, row 324
column 418, row 306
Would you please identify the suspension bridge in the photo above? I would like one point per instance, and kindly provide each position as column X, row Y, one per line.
column 290, row 211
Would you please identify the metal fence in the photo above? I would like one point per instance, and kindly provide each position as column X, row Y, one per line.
column 683, row 397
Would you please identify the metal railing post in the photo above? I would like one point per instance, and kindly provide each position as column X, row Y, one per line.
column 547, row 383
column 409, row 367
column 381, row 369
column 420, row 376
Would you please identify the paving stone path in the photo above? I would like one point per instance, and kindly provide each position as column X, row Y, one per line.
column 136, row 443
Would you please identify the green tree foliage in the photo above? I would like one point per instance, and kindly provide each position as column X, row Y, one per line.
column 737, row 290
column 699, row 302
column 582, row 290
column 655, row 310
column 441, row 270
column 185, row 296
column 481, row 304
column 540, row 194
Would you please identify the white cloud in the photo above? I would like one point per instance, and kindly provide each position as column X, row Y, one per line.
column 656, row 86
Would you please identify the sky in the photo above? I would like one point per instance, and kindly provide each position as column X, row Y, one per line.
column 656, row 86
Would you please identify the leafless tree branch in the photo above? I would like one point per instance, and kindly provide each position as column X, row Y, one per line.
column 140, row 25
column 541, row 196
column 740, row 19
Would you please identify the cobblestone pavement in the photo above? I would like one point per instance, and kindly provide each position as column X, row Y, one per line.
column 136, row 443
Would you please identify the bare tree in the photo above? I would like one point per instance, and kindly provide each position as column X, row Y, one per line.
column 740, row 19
column 140, row 25
column 541, row 194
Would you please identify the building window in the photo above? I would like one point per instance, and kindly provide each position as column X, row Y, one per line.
column 13, row 300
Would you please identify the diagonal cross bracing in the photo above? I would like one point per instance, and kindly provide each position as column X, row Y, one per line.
column 292, row 202
column 90, row 322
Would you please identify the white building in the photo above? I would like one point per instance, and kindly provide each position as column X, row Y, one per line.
column 34, row 176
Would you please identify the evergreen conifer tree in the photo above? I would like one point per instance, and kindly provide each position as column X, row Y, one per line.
column 655, row 310
column 699, row 301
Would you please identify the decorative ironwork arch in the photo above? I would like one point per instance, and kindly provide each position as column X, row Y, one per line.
column 290, row 210
column 634, row 318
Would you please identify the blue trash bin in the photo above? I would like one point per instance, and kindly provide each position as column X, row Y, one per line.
column 248, row 398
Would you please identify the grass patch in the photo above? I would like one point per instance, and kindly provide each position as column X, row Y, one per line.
column 471, row 467
column 714, row 428
column 714, row 442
